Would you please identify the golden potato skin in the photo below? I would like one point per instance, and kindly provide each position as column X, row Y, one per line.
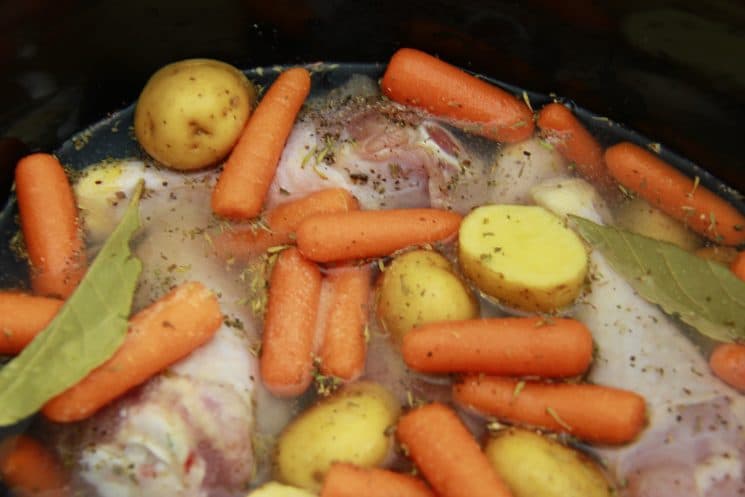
column 274, row 489
column 535, row 466
column 191, row 113
column 638, row 216
column 420, row 287
column 523, row 256
column 351, row 426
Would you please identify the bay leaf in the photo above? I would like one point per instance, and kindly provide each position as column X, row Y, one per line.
column 704, row 294
column 87, row 330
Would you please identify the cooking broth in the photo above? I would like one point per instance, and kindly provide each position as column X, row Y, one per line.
column 435, row 164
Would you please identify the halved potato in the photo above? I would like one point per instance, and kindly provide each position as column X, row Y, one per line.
column 523, row 256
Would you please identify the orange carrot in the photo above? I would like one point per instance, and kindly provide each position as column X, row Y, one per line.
column 282, row 221
column 502, row 346
column 249, row 170
column 29, row 469
column 418, row 79
column 49, row 221
column 675, row 194
column 738, row 265
column 360, row 234
column 158, row 336
column 287, row 217
column 343, row 346
column 347, row 480
column 728, row 363
column 22, row 316
column 289, row 337
column 447, row 454
column 575, row 143
column 590, row 412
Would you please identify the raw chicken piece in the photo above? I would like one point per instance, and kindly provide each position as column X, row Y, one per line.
column 189, row 431
column 694, row 445
column 387, row 156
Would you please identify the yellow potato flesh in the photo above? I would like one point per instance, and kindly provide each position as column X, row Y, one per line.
column 534, row 466
column 420, row 287
column 350, row 426
column 523, row 256
column 191, row 113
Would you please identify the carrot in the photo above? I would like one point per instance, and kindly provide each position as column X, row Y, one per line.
column 158, row 336
column 287, row 217
column 590, row 412
column 282, row 221
column 447, row 454
column 675, row 194
column 418, row 79
column 249, row 170
column 343, row 346
column 360, row 234
column 50, row 226
column 22, row 316
column 728, row 363
column 738, row 265
column 575, row 143
column 289, row 337
column 28, row 469
column 502, row 346
column 347, row 480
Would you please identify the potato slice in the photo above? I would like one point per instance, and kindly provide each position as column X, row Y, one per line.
column 420, row 287
column 535, row 466
column 350, row 426
column 639, row 216
column 523, row 256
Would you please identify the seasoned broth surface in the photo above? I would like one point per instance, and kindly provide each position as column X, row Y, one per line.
column 209, row 426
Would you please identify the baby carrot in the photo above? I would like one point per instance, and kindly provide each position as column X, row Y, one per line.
column 360, row 234
column 447, row 454
column 282, row 221
column 347, row 480
column 738, row 265
column 343, row 346
column 728, row 363
column 289, row 337
column 502, row 346
column 418, row 79
column 49, row 221
column 564, row 131
column 675, row 194
column 287, row 217
column 22, row 316
column 249, row 170
column 29, row 469
column 158, row 336
column 589, row 412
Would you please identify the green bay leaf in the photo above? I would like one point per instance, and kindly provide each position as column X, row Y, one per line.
column 87, row 330
column 704, row 294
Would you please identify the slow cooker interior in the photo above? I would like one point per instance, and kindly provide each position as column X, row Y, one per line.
column 669, row 68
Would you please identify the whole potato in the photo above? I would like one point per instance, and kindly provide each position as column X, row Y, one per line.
column 420, row 287
column 191, row 113
column 535, row 466
column 349, row 426
column 639, row 216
